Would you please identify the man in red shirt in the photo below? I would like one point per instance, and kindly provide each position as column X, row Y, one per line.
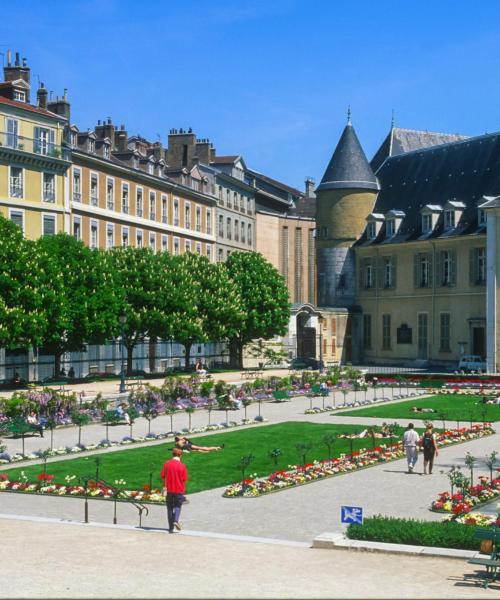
column 174, row 475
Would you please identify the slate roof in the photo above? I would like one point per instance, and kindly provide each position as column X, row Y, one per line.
column 224, row 160
column 31, row 108
column 399, row 141
column 348, row 168
column 463, row 171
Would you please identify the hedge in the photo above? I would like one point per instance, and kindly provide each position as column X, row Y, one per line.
column 393, row 530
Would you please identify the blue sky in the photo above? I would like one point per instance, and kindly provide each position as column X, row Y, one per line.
column 269, row 79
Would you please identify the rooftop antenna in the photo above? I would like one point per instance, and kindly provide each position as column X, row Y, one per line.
column 349, row 115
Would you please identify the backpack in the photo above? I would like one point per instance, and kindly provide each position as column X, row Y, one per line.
column 427, row 441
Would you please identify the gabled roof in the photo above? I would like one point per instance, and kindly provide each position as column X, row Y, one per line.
column 348, row 168
column 399, row 141
column 463, row 171
column 224, row 160
column 31, row 108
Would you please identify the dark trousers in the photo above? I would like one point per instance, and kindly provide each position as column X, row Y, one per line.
column 174, row 503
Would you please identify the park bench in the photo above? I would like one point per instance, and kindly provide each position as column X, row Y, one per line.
column 8, row 427
column 252, row 374
column 281, row 395
column 492, row 563
column 131, row 383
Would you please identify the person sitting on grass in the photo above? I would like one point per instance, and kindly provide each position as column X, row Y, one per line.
column 423, row 410
column 186, row 445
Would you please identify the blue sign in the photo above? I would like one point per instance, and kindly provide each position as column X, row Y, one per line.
column 351, row 514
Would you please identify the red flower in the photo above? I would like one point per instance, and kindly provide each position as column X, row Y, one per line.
column 3, row 477
column 42, row 477
column 146, row 487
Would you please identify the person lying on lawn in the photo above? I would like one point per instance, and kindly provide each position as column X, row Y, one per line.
column 187, row 445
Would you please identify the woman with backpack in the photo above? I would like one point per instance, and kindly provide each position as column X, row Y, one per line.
column 429, row 447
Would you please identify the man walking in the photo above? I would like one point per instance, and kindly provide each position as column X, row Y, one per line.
column 174, row 475
column 410, row 441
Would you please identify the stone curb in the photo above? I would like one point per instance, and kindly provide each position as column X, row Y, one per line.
column 338, row 541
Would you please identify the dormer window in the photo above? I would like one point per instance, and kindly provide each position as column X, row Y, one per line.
column 390, row 228
column 430, row 214
column 452, row 213
column 449, row 219
column 393, row 220
column 106, row 150
column 19, row 96
column 91, row 146
column 481, row 216
column 151, row 168
column 374, row 223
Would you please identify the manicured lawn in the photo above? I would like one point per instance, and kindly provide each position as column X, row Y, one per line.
column 455, row 406
column 214, row 469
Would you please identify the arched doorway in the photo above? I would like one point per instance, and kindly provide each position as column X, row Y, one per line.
column 306, row 336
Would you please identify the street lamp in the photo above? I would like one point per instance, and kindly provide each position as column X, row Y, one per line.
column 320, row 321
column 123, row 319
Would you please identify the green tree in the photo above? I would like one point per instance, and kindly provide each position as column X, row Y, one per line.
column 265, row 301
column 90, row 299
column 208, row 305
column 141, row 277
column 79, row 419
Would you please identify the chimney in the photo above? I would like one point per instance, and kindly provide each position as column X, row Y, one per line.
column 41, row 96
column 61, row 106
column 310, row 188
column 18, row 71
column 106, row 130
column 121, row 140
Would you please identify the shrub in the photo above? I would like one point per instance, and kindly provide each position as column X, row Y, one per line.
column 392, row 530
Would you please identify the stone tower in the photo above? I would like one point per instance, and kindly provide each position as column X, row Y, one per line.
column 344, row 198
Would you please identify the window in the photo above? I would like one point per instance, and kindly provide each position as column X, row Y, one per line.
column 187, row 216
column 198, row 218
column 125, row 240
column 389, row 272
column 49, row 225
column 139, row 238
column 447, row 259
column 91, row 145
column 77, row 228
column 152, row 241
column 236, row 230
column 198, row 248
column 235, row 200
column 220, row 256
column 17, row 217
column 164, row 243
column 49, row 187
column 449, row 219
column 94, row 189
column 390, row 228
column 371, row 231
column 187, row 245
column 151, row 168
column 110, row 236
column 423, row 270
column 176, row 246
column 221, row 226
column 152, row 206
column 12, row 133
column 44, row 142
column 209, row 252
column 228, row 228
column 164, row 209
column 249, row 234
column 481, row 216
column 19, row 96
column 220, row 192
column 209, row 222
column 243, row 229
column 94, row 234
column 176, row 213
column 125, row 198
column 77, row 185
column 106, row 150
column 74, row 139
column 444, row 332
column 366, row 274
column 110, row 194
column 386, row 332
column 478, row 266
column 228, row 198
column 426, row 223
column 16, row 182
column 138, row 202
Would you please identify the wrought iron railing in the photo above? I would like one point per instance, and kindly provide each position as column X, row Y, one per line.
column 40, row 146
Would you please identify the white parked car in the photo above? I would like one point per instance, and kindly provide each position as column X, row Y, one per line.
column 471, row 362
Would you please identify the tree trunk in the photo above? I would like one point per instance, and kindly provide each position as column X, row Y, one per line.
column 152, row 354
column 130, row 354
column 57, row 365
column 52, row 438
column 235, row 354
column 79, row 435
column 187, row 357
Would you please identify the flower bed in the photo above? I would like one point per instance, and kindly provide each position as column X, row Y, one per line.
column 461, row 503
column 6, row 458
column 299, row 475
column 477, row 519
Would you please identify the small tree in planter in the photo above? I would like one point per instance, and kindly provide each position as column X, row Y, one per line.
column 19, row 427
column 350, row 435
column 443, row 416
column 246, row 403
column 133, row 414
column 274, row 455
column 170, row 410
column 109, row 418
column 44, row 455
column 209, row 407
column 244, row 463
column 50, row 424
column 224, row 404
column 302, row 449
column 345, row 389
column 329, row 441
column 189, row 411
column 455, row 478
column 490, row 462
column 97, row 462
column 80, row 419
column 470, row 461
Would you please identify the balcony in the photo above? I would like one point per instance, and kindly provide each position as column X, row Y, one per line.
column 125, row 209
column 49, row 194
column 77, row 197
column 110, row 205
column 164, row 219
column 34, row 151
column 152, row 216
column 15, row 190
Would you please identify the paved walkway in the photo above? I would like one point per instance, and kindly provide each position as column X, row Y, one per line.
column 153, row 564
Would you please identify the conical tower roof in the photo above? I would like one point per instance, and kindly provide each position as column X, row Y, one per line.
column 348, row 168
